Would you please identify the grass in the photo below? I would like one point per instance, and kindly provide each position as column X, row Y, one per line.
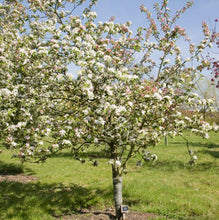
column 169, row 188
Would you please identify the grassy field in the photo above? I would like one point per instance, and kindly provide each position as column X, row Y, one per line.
column 169, row 188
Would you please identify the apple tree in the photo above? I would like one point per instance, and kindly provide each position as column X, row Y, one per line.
column 117, row 104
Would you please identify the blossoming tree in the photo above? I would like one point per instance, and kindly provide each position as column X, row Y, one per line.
column 116, row 104
column 215, row 61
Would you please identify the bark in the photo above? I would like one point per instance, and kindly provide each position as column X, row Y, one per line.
column 117, row 188
column 166, row 141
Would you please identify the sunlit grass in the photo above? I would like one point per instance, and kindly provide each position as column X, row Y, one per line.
column 169, row 188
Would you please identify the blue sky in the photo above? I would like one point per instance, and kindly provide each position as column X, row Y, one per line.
column 125, row 10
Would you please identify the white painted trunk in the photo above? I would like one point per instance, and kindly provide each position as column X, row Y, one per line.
column 117, row 188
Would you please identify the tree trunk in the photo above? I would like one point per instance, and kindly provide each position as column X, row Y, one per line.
column 166, row 141
column 117, row 190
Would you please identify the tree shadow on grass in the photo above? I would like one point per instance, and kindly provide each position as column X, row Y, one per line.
column 54, row 200
column 13, row 169
column 214, row 154
column 200, row 144
column 207, row 145
column 90, row 154
column 171, row 166
column 9, row 168
column 23, row 198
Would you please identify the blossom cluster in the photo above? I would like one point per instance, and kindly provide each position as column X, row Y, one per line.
column 115, row 103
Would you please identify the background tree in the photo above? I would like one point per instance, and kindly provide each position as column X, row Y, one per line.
column 116, row 105
column 214, row 61
column 208, row 91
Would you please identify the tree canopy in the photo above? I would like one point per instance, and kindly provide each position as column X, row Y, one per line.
column 118, row 104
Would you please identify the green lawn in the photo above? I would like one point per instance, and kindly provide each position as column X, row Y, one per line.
column 169, row 188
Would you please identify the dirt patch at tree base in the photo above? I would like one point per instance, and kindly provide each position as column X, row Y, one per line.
column 108, row 215
column 17, row 178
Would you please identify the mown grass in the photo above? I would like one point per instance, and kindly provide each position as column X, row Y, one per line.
column 169, row 188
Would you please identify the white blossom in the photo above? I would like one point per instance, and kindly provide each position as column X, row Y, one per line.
column 130, row 103
column 215, row 127
column 96, row 140
column 157, row 96
column 48, row 130
column 78, row 132
column 111, row 161
column 167, row 61
column 29, row 152
column 55, row 146
column 62, row 132
column 154, row 157
column 13, row 144
column 107, row 58
column 194, row 157
column 118, row 163
column 67, row 142
column 206, row 135
column 5, row 92
column 120, row 109
column 100, row 121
